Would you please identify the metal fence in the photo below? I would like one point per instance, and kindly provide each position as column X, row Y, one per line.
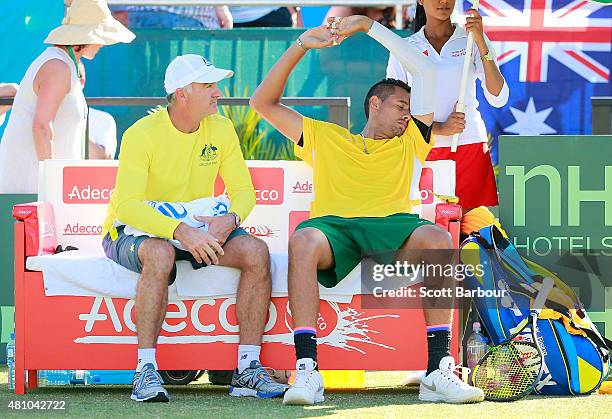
column 338, row 107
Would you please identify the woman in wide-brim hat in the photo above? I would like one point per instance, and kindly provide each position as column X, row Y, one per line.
column 49, row 111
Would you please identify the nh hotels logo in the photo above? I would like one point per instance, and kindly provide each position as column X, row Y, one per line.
column 576, row 193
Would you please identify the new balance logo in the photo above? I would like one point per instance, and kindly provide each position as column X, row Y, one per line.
column 245, row 356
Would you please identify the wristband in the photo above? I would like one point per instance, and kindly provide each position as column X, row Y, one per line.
column 301, row 44
column 236, row 219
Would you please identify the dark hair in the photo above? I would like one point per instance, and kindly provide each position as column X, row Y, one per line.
column 383, row 89
column 420, row 19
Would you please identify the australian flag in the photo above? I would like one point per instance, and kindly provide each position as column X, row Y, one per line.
column 554, row 55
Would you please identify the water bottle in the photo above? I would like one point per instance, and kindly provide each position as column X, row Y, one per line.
column 477, row 346
column 66, row 377
column 10, row 362
column 54, row 377
column 83, row 377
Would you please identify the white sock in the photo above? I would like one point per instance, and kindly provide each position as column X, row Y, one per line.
column 246, row 354
column 146, row 356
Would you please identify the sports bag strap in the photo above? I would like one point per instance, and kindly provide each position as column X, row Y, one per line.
column 481, row 241
column 604, row 341
column 600, row 341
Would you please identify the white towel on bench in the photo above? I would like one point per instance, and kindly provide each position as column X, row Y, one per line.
column 79, row 274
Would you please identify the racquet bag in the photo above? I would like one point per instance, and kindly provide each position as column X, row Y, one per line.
column 576, row 355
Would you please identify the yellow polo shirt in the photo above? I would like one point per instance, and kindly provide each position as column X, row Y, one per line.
column 350, row 183
column 157, row 162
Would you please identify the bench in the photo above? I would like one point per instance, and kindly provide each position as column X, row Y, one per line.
column 97, row 331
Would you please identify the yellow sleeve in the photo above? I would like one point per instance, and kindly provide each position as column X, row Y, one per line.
column 131, row 185
column 312, row 130
column 421, row 147
column 236, row 176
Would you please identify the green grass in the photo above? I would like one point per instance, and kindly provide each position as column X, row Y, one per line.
column 383, row 398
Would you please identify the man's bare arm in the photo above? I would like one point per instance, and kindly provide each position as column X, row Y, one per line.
column 267, row 96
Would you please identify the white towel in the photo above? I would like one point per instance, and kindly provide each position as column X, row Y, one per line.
column 186, row 213
column 79, row 274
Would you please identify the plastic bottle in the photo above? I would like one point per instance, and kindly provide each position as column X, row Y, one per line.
column 10, row 362
column 83, row 377
column 66, row 377
column 477, row 346
column 54, row 377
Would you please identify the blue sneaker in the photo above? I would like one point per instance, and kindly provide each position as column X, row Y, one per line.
column 147, row 386
column 255, row 382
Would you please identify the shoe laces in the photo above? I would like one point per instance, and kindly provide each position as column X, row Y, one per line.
column 260, row 376
column 452, row 378
column 264, row 375
column 149, row 378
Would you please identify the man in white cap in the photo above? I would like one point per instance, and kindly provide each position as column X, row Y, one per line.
column 175, row 155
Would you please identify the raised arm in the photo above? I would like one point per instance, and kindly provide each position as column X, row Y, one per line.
column 267, row 96
column 494, row 86
column 422, row 70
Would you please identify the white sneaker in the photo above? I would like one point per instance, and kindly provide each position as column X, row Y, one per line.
column 442, row 385
column 414, row 378
column 308, row 385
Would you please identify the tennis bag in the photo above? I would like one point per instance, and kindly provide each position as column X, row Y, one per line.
column 576, row 355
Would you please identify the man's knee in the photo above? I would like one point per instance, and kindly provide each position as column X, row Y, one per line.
column 431, row 237
column 254, row 253
column 306, row 243
column 157, row 252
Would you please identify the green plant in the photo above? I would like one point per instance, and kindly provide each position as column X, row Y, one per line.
column 254, row 143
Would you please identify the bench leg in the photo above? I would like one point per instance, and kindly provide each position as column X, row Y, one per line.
column 19, row 308
column 32, row 379
column 19, row 378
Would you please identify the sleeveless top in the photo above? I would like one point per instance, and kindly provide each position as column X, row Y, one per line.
column 18, row 159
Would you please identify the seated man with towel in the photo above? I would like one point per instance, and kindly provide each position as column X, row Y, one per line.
column 175, row 155
column 362, row 203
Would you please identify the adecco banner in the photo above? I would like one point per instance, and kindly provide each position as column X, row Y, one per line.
column 79, row 192
column 556, row 204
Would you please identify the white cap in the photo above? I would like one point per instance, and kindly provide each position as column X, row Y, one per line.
column 191, row 68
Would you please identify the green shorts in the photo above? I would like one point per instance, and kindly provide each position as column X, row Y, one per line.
column 353, row 239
